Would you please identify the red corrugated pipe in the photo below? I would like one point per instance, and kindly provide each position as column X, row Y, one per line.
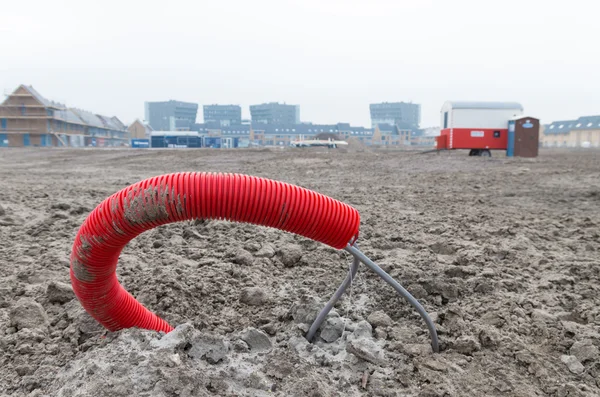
column 183, row 196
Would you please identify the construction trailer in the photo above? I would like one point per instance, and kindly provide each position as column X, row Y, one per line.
column 477, row 126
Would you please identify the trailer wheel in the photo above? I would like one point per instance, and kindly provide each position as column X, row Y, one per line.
column 485, row 153
column 474, row 152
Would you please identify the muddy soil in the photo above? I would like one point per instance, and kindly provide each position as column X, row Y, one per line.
column 504, row 253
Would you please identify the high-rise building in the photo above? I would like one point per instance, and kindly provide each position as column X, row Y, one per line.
column 275, row 113
column 224, row 115
column 396, row 113
column 171, row 115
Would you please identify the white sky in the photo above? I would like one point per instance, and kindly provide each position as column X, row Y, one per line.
column 332, row 57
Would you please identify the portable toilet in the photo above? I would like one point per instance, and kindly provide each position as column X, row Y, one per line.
column 523, row 137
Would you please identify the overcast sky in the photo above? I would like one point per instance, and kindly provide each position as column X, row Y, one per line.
column 332, row 57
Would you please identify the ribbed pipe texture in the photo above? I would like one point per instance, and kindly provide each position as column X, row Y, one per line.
column 185, row 196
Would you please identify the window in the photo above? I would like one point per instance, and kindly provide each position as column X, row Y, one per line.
column 552, row 127
column 561, row 126
column 589, row 124
column 578, row 125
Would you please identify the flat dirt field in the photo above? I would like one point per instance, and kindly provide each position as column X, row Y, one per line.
column 503, row 253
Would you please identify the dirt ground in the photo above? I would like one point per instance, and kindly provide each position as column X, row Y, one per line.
column 504, row 253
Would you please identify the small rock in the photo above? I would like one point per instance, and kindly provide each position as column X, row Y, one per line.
column 416, row 349
column 379, row 319
column 210, row 347
column 270, row 328
column 442, row 249
column 257, row 340
column 253, row 296
column 291, row 255
column 366, row 349
column 435, row 364
column 58, row 292
column 266, row 251
column 489, row 338
column 363, row 330
column 23, row 370
column 252, row 246
column 466, row 345
column 178, row 338
column 61, row 206
column 27, row 313
column 573, row 364
column 243, row 257
column 306, row 311
column 584, row 350
column 418, row 291
column 240, row 346
column 380, row 333
column 542, row 315
column 332, row 329
column 177, row 240
column 157, row 244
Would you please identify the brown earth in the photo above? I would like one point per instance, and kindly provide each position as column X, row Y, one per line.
column 504, row 253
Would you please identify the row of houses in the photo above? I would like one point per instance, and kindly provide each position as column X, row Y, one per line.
column 29, row 119
column 258, row 134
column 583, row 132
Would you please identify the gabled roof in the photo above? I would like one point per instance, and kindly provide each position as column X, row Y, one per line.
column 69, row 116
column 566, row 126
column 118, row 123
column 89, row 118
column 46, row 102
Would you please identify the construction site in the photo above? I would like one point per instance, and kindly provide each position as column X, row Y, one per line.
column 501, row 252
column 29, row 119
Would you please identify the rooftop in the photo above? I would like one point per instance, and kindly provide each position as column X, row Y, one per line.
column 566, row 126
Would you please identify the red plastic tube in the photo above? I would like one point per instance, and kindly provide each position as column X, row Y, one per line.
column 177, row 197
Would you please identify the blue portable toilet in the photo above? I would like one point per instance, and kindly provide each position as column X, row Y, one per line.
column 510, row 146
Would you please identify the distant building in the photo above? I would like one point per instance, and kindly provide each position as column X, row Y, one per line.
column 29, row 119
column 171, row 115
column 139, row 130
column 275, row 113
column 583, row 132
column 175, row 139
column 223, row 114
column 260, row 134
column 405, row 114
column 391, row 135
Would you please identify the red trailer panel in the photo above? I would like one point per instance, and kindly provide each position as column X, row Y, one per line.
column 481, row 138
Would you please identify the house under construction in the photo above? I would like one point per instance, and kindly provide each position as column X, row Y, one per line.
column 29, row 119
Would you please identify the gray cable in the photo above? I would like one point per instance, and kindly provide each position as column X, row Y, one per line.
column 388, row 279
column 332, row 301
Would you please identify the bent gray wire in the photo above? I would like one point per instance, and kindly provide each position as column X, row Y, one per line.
column 415, row 303
column 332, row 301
